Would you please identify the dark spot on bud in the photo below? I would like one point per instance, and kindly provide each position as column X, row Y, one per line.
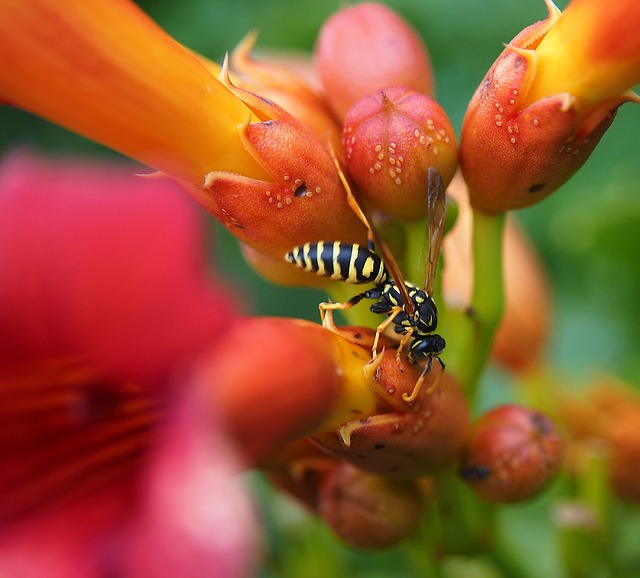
column 537, row 187
column 379, row 446
column 518, row 62
column 268, row 123
column 302, row 190
column 475, row 472
column 357, row 335
column 541, row 423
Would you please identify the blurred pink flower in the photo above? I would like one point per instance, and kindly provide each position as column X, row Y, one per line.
column 109, row 465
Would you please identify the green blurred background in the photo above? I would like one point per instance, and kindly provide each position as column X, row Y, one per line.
column 587, row 233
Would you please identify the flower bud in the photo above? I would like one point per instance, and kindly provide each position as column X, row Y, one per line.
column 523, row 137
column 511, row 454
column 391, row 138
column 365, row 47
column 276, row 380
column 406, row 439
column 305, row 202
column 368, row 510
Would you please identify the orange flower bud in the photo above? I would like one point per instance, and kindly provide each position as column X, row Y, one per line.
column 519, row 142
column 364, row 48
column 367, row 510
column 391, row 138
column 276, row 380
column 625, row 453
column 592, row 51
column 106, row 71
column 511, row 454
column 404, row 438
column 306, row 202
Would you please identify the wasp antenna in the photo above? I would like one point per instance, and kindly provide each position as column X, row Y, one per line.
column 353, row 203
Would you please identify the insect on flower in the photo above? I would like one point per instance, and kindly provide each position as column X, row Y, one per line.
column 410, row 309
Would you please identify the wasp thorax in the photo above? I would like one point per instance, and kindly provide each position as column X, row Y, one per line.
column 391, row 139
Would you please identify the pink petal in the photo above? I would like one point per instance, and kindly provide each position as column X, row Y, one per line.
column 195, row 517
column 96, row 261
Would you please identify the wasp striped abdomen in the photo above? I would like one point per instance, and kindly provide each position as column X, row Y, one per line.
column 346, row 262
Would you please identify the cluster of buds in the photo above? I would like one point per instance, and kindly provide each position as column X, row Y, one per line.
column 377, row 76
column 374, row 443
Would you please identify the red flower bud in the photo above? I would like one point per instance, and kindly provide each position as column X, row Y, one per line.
column 368, row 510
column 520, row 142
column 404, row 438
column 276, row 380
column 364, row 48
column 511, row 454
column 391, row 138
column 306, row 202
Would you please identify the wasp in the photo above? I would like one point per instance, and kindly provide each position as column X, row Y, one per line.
column 410, row 309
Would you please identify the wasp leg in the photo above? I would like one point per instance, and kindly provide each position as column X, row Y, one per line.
column 324, row 307
column 405, row 339
column 380, row 329
column 418, row 385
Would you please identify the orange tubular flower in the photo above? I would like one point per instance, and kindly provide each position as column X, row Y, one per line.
column 105, row 70
column 547, row 101
column 109, row 73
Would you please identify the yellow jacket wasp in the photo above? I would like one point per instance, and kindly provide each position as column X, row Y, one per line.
column 410, row 309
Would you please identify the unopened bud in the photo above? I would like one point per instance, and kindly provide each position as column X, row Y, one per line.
column 406, row 438
column 366, row 47
column 367, row 510
column 391, row 138
column 512, row 453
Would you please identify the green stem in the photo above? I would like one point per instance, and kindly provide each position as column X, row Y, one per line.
column 416, row 251
column 487, row 299
column 467, row 523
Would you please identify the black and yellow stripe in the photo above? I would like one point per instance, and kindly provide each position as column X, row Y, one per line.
column 346, row 262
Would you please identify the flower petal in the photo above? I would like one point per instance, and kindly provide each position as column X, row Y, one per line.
column 100, row 264
column 195, row 518
column 592, row 51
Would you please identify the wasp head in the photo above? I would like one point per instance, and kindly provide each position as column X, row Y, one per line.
column 426, row 346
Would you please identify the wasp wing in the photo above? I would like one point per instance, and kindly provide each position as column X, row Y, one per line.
column 437, row 210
